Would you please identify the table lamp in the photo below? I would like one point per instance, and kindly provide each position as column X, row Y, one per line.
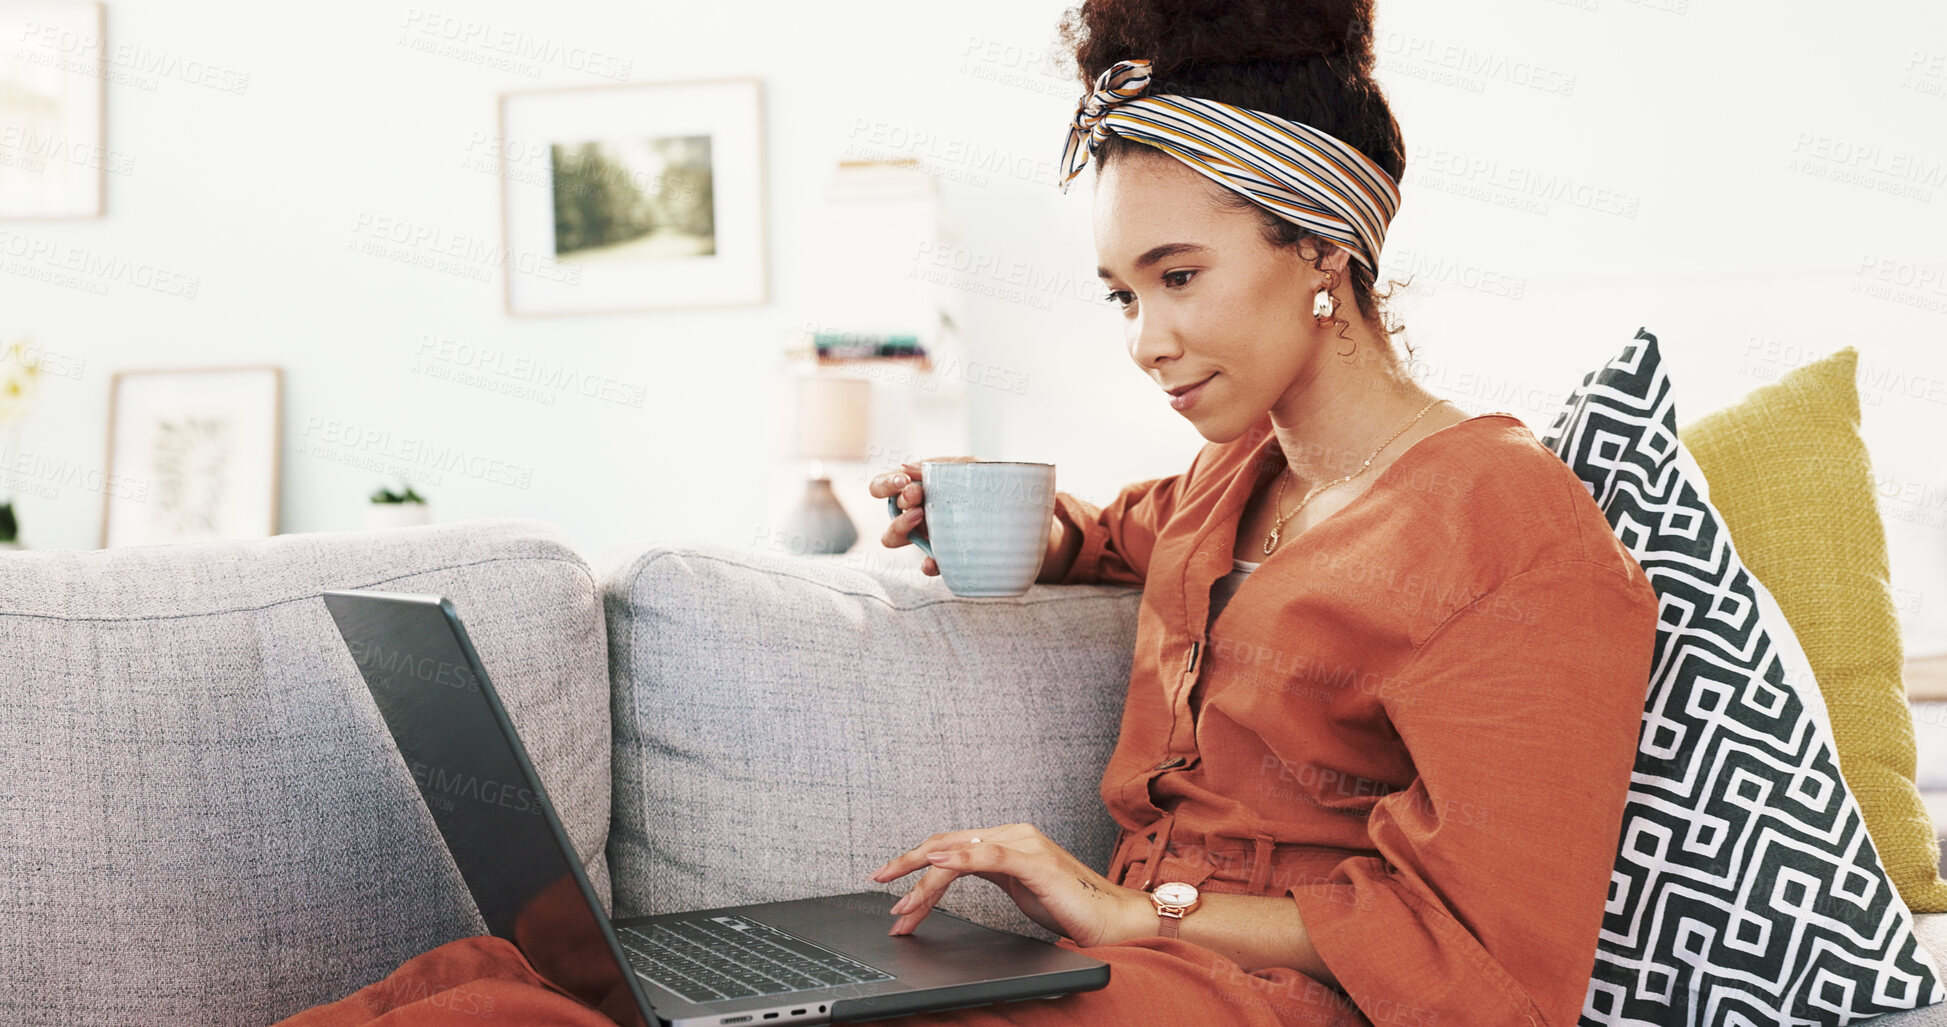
column 833, row 416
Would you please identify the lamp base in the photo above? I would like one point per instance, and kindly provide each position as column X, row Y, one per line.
column 819, row 524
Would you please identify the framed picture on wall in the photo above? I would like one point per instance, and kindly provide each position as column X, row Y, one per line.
column 644, row 196
column 193, row 455
column 53, row 162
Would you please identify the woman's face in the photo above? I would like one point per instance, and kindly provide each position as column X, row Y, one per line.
column 1230, row 308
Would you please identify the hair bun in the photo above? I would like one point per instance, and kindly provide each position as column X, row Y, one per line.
column 1181, row 34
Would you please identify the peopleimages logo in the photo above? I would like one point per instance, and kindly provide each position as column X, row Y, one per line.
column 1866, row 165
column 25, row 148
column 440, row 789
column 425, row 668
column 453, row 36
column 50, row 362
column 1442, row 168
column 411, row 242
column 1436, row 269
column 331, row 439
column 526, row 369
column 130, row 64
column 39, row 467
column 87, row 269
column 1467, row 67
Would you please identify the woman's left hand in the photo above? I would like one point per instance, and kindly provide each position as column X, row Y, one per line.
column 1051, row 886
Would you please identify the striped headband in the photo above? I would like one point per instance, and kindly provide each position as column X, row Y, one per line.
column 1296, row 171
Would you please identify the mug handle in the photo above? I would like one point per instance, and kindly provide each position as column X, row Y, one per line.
column 892, row 504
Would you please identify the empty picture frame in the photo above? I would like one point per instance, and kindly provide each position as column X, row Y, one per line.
column 53, row 162
column 193, row 455
column 643, row 196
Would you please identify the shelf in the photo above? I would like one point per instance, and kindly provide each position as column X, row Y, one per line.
column 921, row 363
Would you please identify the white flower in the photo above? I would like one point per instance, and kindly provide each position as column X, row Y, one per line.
column 20, row 372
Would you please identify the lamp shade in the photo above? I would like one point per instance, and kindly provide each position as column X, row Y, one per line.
column 834, row 415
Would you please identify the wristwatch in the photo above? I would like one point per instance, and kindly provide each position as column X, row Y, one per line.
column 1174, row 901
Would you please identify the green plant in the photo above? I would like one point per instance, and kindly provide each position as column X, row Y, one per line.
column 385, row 495
column 20, row 369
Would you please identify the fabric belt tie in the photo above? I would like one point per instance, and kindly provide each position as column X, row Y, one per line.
column 1161, row 833
column 1261, row 869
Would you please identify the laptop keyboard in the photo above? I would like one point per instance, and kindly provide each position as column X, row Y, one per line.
column 731, row 957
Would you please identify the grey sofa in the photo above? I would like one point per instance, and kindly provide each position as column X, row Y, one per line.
column 203, row 820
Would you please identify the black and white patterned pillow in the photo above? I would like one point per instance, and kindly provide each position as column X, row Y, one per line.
column 1746, row 889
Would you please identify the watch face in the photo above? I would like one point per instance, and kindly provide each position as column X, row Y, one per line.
column 1174, row 894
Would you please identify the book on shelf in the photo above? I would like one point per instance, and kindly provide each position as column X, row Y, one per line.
column 865, row 346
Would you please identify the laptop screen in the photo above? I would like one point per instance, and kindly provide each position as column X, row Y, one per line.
column 482, row 792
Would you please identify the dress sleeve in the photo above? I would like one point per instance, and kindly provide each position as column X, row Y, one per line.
column 1117, row 539
column 1521, row 714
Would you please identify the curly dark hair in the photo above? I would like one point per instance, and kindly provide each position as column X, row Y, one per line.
column 1304, row 60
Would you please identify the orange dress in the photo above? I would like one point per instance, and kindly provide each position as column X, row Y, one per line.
column 1416, row 719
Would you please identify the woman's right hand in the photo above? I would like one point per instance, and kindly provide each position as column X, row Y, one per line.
column 905, row 483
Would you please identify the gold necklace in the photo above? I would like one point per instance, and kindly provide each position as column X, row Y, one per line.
column 1271, row 540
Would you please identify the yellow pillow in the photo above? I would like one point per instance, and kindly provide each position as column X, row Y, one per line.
column 1788, row 471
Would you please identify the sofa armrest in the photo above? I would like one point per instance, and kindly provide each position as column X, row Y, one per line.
column 206, row 820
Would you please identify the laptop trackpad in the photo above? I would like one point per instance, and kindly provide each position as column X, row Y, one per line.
column 943, row 950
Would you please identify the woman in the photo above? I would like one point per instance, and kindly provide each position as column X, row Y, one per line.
column 1390, row 661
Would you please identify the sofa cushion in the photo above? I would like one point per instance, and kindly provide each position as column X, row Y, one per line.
column 205, row 820
column 1746, row 885
column 783, row 725
column 1790, row 475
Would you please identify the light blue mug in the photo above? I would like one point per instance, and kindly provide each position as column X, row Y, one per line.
column 987, row 523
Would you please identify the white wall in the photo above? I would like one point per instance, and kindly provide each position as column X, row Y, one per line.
column 1758, row 184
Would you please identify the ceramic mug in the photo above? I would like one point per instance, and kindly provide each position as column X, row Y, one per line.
column 987, row 523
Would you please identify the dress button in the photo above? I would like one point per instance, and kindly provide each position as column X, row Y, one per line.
column 1172, row 763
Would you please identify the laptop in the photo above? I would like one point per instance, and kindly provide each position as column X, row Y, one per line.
column 820, row 960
